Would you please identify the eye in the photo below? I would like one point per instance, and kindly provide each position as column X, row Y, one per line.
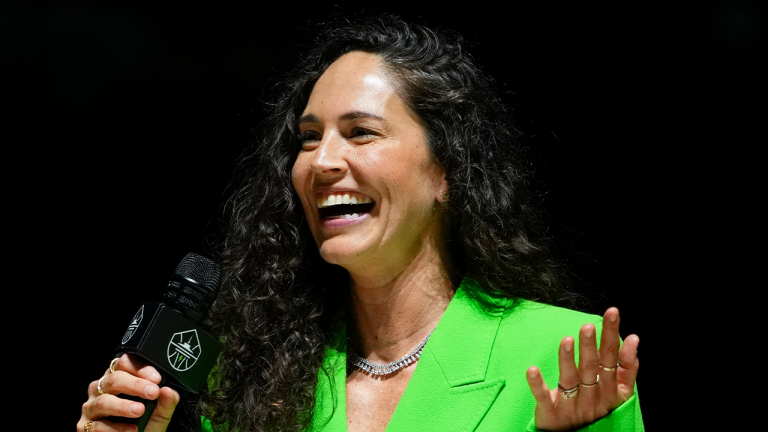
column 309, row 135
column 309, row 138
column 359, row 132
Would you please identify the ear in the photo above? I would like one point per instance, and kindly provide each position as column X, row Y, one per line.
column 442, row 189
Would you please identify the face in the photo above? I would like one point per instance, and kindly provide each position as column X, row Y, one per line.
column 366, row 179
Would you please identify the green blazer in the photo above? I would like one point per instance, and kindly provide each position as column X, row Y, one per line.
column 471, row 374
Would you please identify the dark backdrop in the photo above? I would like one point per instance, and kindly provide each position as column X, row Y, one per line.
column 125, row 123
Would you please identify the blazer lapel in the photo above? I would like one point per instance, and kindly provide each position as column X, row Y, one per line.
column 449, row 389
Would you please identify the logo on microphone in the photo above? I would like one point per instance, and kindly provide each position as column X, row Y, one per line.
column 184, row 350
column 134, row 324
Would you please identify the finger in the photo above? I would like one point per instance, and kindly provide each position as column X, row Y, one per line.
column 588, row 360
column 118, row 427
column 609, row 347
column 123, row 382
column 96, row 426
column 628, row 366
column 539, row 389
column 135, row 366
column 83, row 422
column 166, row 404
column 107, row 405
column 569, row 374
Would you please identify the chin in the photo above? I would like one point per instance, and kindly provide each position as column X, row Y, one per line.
column 332, row 257
column 338, row 254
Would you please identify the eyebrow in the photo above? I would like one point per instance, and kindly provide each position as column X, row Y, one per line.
column 311, row 118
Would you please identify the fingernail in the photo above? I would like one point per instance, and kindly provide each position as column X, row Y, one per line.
column 568, row 346
column 532, row 373
column 588, row 333
column 613, row 317
column 135, row 408
column 151, row 390
column 154, row 376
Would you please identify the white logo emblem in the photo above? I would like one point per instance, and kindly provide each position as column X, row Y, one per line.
column 184, row 350
column 134, row 324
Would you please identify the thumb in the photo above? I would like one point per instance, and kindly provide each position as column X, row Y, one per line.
column 166, row 404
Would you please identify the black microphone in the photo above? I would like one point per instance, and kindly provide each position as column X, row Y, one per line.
column 169, row 335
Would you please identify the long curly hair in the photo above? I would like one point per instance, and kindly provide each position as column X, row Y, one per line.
column 279, row 300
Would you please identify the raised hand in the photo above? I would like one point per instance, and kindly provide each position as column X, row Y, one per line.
column 131, row 377
column 602, row 382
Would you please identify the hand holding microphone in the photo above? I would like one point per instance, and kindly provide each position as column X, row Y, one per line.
column 164, row 343
column 127, row 376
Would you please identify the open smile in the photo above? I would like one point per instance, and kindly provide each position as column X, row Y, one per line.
column 343, row 205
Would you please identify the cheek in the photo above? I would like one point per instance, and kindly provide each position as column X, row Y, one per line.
column 423, row 174
column 408, row 174
column 299, row 174
column 299, row 177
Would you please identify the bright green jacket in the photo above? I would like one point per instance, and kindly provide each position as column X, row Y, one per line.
column 471, row 374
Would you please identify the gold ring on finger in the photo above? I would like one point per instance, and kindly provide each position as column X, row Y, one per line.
column 568, row 393
column 98, row 387
column 593, row 384
column 87, row 426
column 112, row 364
column 609, row 369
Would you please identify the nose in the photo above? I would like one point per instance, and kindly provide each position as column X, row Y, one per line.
column 329, row 158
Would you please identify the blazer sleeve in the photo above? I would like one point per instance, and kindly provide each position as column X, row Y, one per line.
column 626, row 417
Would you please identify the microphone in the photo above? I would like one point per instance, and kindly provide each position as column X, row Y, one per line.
column 169, row 335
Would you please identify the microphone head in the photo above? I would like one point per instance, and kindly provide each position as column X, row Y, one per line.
column 193, row 286
column 200, row 270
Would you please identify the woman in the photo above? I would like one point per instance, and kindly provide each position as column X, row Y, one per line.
column 391, row 151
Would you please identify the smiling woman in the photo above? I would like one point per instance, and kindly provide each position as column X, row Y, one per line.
column 383, row 268
column 359, row 140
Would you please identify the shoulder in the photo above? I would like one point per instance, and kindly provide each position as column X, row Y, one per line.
column 530, row 330
column 516, row 321
column 539, row 318
column 518, row 333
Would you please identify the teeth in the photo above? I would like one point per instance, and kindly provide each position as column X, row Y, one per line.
column 331, row 200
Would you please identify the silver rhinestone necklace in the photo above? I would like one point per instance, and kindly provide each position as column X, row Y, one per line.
column 390, row 367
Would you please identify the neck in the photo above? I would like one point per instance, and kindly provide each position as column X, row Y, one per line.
column 391, row 316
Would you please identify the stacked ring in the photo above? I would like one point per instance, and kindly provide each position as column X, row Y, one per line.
column 98, row 387
column 87, row 426
column 593, row 384
column 568, row 393
column 109, row 372
column 609, row 369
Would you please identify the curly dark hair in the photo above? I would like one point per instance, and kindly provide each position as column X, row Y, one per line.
column 278, row 302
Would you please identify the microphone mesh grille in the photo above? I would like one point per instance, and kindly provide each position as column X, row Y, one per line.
column 201, row 270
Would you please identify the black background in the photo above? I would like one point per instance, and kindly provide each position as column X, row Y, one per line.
column 124, row 123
